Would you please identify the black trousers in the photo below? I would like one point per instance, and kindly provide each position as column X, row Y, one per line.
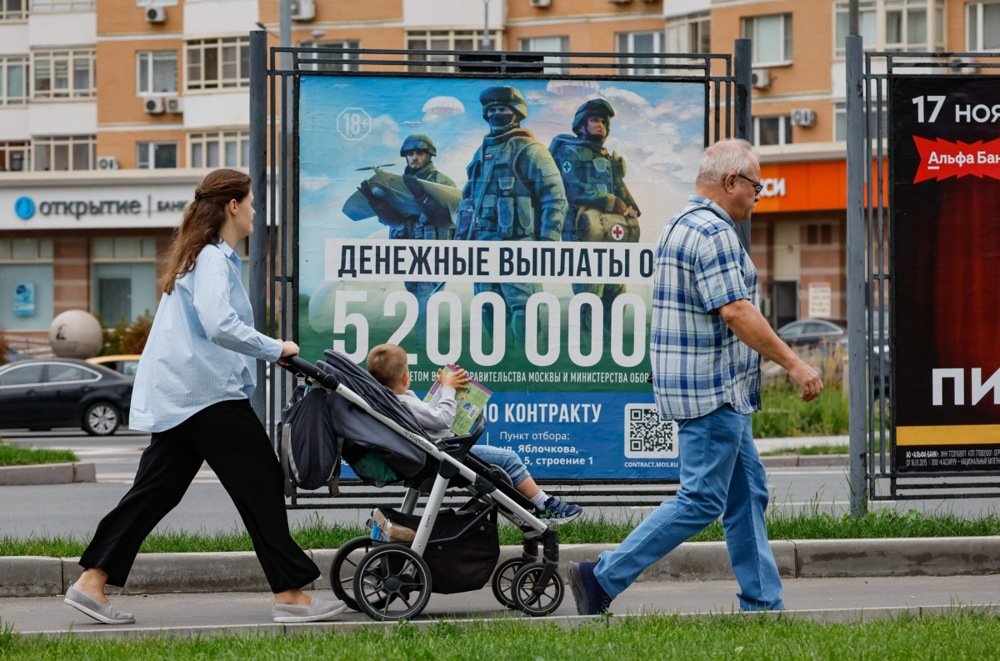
column 228, row 436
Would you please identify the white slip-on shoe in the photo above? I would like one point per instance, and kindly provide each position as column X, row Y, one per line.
column 318, row 610
column 105, row 613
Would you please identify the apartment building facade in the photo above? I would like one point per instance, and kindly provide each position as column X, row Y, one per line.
column 112, row 110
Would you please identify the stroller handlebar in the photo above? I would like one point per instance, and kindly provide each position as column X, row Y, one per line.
column 301, row 366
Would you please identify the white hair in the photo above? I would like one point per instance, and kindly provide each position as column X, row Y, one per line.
column 729, row 156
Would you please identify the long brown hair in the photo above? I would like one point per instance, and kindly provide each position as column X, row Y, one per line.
column 203, row 219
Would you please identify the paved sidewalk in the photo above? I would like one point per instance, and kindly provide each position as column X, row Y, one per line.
column 820, row 599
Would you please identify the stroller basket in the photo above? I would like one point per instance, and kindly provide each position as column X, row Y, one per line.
column 463, row 549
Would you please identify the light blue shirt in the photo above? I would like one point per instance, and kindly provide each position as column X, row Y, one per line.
column 202, row 346
column 698, row 362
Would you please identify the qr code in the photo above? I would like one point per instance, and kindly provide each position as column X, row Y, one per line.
column 647, row 436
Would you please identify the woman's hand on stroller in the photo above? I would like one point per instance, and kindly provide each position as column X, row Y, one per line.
column 288, row 349
column 457, row 378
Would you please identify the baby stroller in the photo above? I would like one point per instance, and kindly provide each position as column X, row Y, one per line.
column 390, row 574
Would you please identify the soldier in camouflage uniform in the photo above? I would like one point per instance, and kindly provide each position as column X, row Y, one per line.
column 514, row 193
column 601, row 207
column 433, row 222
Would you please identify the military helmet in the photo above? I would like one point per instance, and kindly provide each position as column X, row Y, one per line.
column 592, row 108
column 508, row 96
column 418, row 141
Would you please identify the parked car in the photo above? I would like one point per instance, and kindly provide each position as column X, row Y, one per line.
column 811, row 331
column 44, row 393
column 124, row 363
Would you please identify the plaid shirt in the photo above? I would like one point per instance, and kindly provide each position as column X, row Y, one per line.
column 698, row 362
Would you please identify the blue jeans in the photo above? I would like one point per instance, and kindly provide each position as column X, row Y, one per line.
column 721, row 474
column 505, row 459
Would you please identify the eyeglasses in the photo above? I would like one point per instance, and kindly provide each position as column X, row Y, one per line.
column 757, row 186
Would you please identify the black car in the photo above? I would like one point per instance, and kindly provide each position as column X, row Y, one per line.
column 43, row 393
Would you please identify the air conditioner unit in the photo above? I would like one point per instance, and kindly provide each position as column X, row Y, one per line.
column 541, row 4
column 760, row 79
column 153, row 105
column 156, row 14
column 303, row 10
column 803, row 117
column 174, row 104
column 107, row 163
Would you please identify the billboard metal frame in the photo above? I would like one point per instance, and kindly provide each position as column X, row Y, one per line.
column 871, row 264
column 276, row 73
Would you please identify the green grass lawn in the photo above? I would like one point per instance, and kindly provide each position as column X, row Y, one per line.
column 319, row 535
column 15, row 455
column 969, row 635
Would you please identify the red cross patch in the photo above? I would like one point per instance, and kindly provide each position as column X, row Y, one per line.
column 617, row 232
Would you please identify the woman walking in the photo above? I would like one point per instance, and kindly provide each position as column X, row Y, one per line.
column 192, row 391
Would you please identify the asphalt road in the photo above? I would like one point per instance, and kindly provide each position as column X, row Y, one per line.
column 75, row 509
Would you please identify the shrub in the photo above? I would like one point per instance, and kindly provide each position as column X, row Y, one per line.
column 127, row 338
column 135, row 336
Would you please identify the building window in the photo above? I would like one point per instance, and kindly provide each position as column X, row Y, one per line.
column 155, row 155
column 982, row 20
column 27, row 263
column 771, row 37
column 218, row 63
column 819, row 235
column 689, row 34
column 124, row 273
column 156, row 72
column 15, row 156
column 894, row 25
column 556, row 63
column 229, row 149
column 906, row 25
column 13, row 10
column 458, row 40
column 867, row 25
column 840, row 121
column 72, row 152
column 13, row 80
column 330, row 61
column 640, row 43
column 45, row 6
column 63, row 74
column 772, row 130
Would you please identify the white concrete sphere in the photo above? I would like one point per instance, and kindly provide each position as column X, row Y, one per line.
column 75, row 334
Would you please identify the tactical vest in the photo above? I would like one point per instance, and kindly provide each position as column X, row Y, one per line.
column 580, row 163
column 502, row 203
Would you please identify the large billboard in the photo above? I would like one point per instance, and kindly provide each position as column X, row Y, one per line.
column 477, row 265
column 946, row 251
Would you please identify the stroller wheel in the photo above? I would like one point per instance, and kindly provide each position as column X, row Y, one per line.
column 502, row 581
column 534, row 594
column 392, row 583
column 345, row 566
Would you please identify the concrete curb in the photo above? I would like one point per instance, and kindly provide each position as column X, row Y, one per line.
column 240, row 572
column 82, row 471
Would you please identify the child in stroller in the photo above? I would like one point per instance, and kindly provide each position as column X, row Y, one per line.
column 388, row 364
